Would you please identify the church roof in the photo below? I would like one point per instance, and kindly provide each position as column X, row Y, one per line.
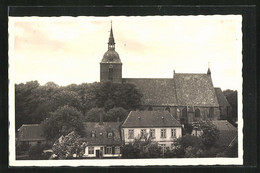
column 150, row 119
column 222, row 101
column 101, row 133
column 156, row 91
column 195, row 90
column 111, row 56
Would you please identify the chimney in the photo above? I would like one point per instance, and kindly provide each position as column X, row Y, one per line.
column 173, row 73
column 101, row 119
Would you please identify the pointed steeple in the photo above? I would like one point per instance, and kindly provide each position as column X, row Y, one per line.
column 111, row 41
column 208, row 72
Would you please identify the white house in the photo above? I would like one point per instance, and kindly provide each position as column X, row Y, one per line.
column 103, row 139
column 161, row 126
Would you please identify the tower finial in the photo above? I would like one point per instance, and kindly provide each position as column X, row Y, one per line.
column 111, row 40
column 209, row 72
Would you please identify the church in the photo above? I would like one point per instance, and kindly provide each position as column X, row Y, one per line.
column 189, row 97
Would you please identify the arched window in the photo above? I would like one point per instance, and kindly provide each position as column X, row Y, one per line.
column 184, row 113
column 197, row 113
column 168, row 109
column 110, row 73
column 211, row 112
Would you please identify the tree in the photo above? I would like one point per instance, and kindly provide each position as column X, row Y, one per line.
column 94, row 114
column 231, row 97
column 35, row 152
column 109, row 95
column 188, row 146
column 70, row 146
column 115, row 113
column 62, row 121
column 210, row 133
column 142, row 148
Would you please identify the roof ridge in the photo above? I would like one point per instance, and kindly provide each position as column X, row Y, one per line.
column 148, row 78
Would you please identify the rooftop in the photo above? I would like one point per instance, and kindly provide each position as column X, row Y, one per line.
column 101, row 133
column 30, row 132
column 150, row 119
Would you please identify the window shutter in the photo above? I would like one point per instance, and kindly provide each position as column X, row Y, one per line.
column 113, row 150
column 105, row 150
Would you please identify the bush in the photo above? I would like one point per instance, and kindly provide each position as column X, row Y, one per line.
column 35, row 152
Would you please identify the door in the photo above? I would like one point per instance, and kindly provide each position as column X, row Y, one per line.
column 97, row 153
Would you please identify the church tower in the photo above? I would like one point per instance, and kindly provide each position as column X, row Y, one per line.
column 111, row 66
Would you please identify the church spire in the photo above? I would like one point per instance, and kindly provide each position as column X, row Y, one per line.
column 111, row 41
column 209, row 72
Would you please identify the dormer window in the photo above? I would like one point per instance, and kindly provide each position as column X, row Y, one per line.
column 93, row 134
column 110, row 134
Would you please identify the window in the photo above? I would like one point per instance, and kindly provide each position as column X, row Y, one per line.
column 152, row 133
column 110, row 73
column 117, row 150
column 110, row 134
column 197, row 113
column 211, row 112
column 163, row 133
column 93, row 134
column 173, row 132
column 131, row 134
column 90, row 150
column 168, row 109
column 143, row 132
column 108, row 150
column 163, row 146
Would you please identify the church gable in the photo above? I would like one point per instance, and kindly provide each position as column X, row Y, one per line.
column 195, row 90
column 156, row 92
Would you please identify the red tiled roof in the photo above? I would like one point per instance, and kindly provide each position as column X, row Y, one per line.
column 101, row 133
column 150, row 119
column 195, row 90
column 222, row 101
column 30, row 132
column 156, row 91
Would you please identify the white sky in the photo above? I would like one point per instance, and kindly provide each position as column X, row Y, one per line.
column 68, row 50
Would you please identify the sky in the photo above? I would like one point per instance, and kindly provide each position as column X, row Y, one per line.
column 68, row 50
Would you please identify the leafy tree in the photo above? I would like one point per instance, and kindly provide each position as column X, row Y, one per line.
column 231, row 97
column 94, row 114
column 209, row 133
column 109, row 95
column 70, row 146
column 62, row 121
column 25, row 102
column 142, row 148
column 115, row 113
column 36, row 152
column 188, row 146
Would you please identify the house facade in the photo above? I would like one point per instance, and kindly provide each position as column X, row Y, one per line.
column 103, row 140
column 188, row 97
column 159, row 126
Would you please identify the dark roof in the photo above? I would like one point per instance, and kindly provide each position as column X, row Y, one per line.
column 227, row 132
column 150, row 119
column 111, row 56
column 104, row 130
column 30, row 132
column 158, row 91
column 222, row 101
column 195, row 90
